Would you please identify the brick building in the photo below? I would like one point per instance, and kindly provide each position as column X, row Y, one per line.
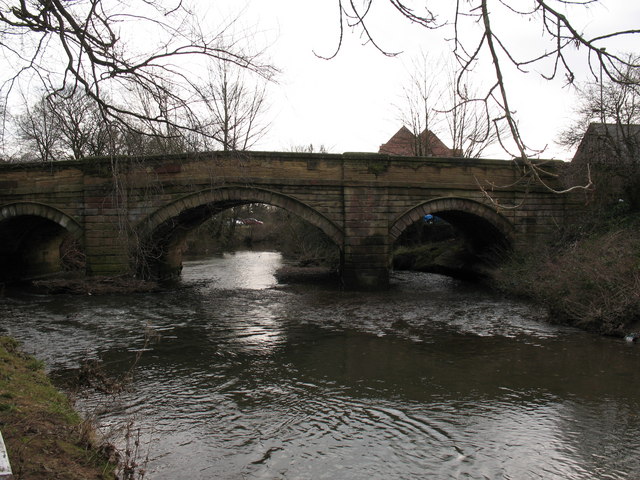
column 427, row 144
column 610, row 153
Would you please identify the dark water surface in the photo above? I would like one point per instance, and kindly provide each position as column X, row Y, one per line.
column 434, row 379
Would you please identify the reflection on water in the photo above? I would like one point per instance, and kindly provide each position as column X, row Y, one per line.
column 252, row 270
column 244, row 378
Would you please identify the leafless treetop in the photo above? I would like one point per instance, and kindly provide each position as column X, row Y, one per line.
column 106, row 48
column 480, row 31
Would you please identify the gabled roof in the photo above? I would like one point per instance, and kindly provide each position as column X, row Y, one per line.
column 406, row 144
column 613, row 129
column 609, row 142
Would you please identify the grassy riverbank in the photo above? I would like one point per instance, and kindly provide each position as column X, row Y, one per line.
column 45, row 437
column 588, row 278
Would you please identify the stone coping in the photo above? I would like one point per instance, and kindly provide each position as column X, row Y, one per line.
column 197, row 156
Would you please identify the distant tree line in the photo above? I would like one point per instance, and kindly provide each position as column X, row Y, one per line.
column 131, row 69
column 68, row 124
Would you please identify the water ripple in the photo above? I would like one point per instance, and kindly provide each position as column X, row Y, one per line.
column 431, row 379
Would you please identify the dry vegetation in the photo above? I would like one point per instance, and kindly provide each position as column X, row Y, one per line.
column 591, row 279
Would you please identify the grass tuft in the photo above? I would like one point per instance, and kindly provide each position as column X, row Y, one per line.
column 42, row 432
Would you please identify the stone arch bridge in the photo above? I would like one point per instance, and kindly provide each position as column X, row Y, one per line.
column 129, row 211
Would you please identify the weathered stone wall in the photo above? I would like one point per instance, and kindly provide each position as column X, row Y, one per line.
column 362, row 201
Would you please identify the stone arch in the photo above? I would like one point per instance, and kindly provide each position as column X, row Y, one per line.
column 183, row 214
column 484, row 236
column 19, row 209
column 453, row 206
column 241, row 195
column 32, row 235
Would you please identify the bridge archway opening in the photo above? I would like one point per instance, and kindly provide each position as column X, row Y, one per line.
column 37, row 242
column 215, row 221
column 455, row 237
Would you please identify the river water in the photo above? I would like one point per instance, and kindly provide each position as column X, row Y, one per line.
column 237, row 377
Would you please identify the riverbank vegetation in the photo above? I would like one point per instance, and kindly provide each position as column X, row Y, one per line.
column 588, row 278
column 44, row 436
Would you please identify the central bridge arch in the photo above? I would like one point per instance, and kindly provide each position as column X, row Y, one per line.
column 162, row 234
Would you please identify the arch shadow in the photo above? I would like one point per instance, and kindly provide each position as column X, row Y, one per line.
column 33, row 209
column 457, row 210
column 486, row 235
column 31, row 235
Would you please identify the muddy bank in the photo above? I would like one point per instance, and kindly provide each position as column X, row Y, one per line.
column 95, row 285
column 45, row 438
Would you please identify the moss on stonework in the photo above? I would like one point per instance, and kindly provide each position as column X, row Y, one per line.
column 377, row 167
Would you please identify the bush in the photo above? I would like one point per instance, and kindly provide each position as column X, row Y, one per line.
column 591, row 281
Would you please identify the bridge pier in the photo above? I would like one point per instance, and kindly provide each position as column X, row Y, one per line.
column 108, row 256
column 106, row 242
column 366, row 250
column 365, row 272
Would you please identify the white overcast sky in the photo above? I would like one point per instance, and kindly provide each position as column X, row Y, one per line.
column 348, row 103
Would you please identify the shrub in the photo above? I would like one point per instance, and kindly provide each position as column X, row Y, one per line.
column 592, row 281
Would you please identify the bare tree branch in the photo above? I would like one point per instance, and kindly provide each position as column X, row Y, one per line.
column 234, row 107
column 554, row 55
column 88, row 46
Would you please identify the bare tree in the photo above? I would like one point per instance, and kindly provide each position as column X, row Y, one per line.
column 235, row 105
column 421, row 104
column 82, row 131
column 63, row 125
column 435, row 100
column 68, row 124
column 311, row 148
column 98, row 47
column 470, row 122
column 150, row 137
column 560, row 38
column 612, row 101
column 37, row 127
